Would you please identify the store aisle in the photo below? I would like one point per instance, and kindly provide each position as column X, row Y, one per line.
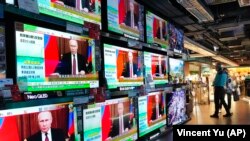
column 201, row 116
column 240, row 109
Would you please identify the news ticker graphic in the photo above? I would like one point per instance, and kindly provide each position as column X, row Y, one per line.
column 224, row 132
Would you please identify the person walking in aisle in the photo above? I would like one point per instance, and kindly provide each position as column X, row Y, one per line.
column 219, row 91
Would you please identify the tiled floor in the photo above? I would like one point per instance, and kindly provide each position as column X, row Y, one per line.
column 201, row 115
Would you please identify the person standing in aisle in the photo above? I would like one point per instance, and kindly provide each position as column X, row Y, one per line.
column 219, row 91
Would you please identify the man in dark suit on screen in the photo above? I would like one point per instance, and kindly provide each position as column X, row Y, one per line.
column 157, row 109
column 47, row 133
column 120, row 124
column 131, row 68
column 161, row 31
column 131, row 18
column 72, row 63
column 160, row 67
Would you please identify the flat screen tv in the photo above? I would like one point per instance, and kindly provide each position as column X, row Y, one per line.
column 152, row 112
column 176, row 38
column 77, row 11
column 52, row 60
column 32, row 123
column 156, row 67
column 112, row 120
column 176, row 70
column 157, row 31
column 126, row 17
column 123, row 67
column 176, row 107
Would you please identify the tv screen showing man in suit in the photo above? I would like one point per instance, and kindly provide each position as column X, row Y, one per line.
column 152, row 112
column 126, row 17
column 123, row 67
column 38, row 123
column 157, row 67
column 157, row 31
column 45, row 56
column 77, row 11
column 113, row 120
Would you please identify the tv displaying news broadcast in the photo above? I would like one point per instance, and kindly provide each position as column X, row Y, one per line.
column 77, row 11
column 126, row 17
column 52, row 60
column 32, row 123
column 156, row 67
column 152, row 112
column 157, row 31
column 176, row 70
column 176, row 38
column 122, row 67
column 176, row 107
column 114, row 120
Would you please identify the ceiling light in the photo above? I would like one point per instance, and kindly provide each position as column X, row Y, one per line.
column 236, row 46
column 197, row 9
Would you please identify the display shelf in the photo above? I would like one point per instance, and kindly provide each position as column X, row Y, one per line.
column 30, row 103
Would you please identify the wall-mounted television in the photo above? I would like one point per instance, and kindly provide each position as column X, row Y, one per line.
column 126, row 17
column 32, row 123
column 76, row 11
column 123, row 67
column 53, row 60
column 112, row 120
column 152, row 112
column 176, row 38
column 156, row 67
column 176, row 107
column 157, row 30
column 176, row 70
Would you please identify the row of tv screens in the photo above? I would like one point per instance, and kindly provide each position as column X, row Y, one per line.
column 53, row 60
column 124, row 17
column 116, row 119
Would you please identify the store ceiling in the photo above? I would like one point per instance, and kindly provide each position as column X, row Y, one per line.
column 229, row 30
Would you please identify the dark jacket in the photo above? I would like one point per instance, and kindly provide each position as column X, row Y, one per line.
column 56, row 135
column 65, row 65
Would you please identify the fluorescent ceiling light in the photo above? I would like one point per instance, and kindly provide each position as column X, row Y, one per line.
column 236, row 46
column 197, row 9
column 225, row 60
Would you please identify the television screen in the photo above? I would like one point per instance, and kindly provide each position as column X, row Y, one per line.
column 54, row 122
column 152, row 112
column 2, row 53
column 156, row 67
column 52, row 60
column 122, row 67
column 176, row 107
column 112, row 120
column 77, row 11
column 126, row 17
column 176, row 70
column 176, row 38
column 157, row 32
